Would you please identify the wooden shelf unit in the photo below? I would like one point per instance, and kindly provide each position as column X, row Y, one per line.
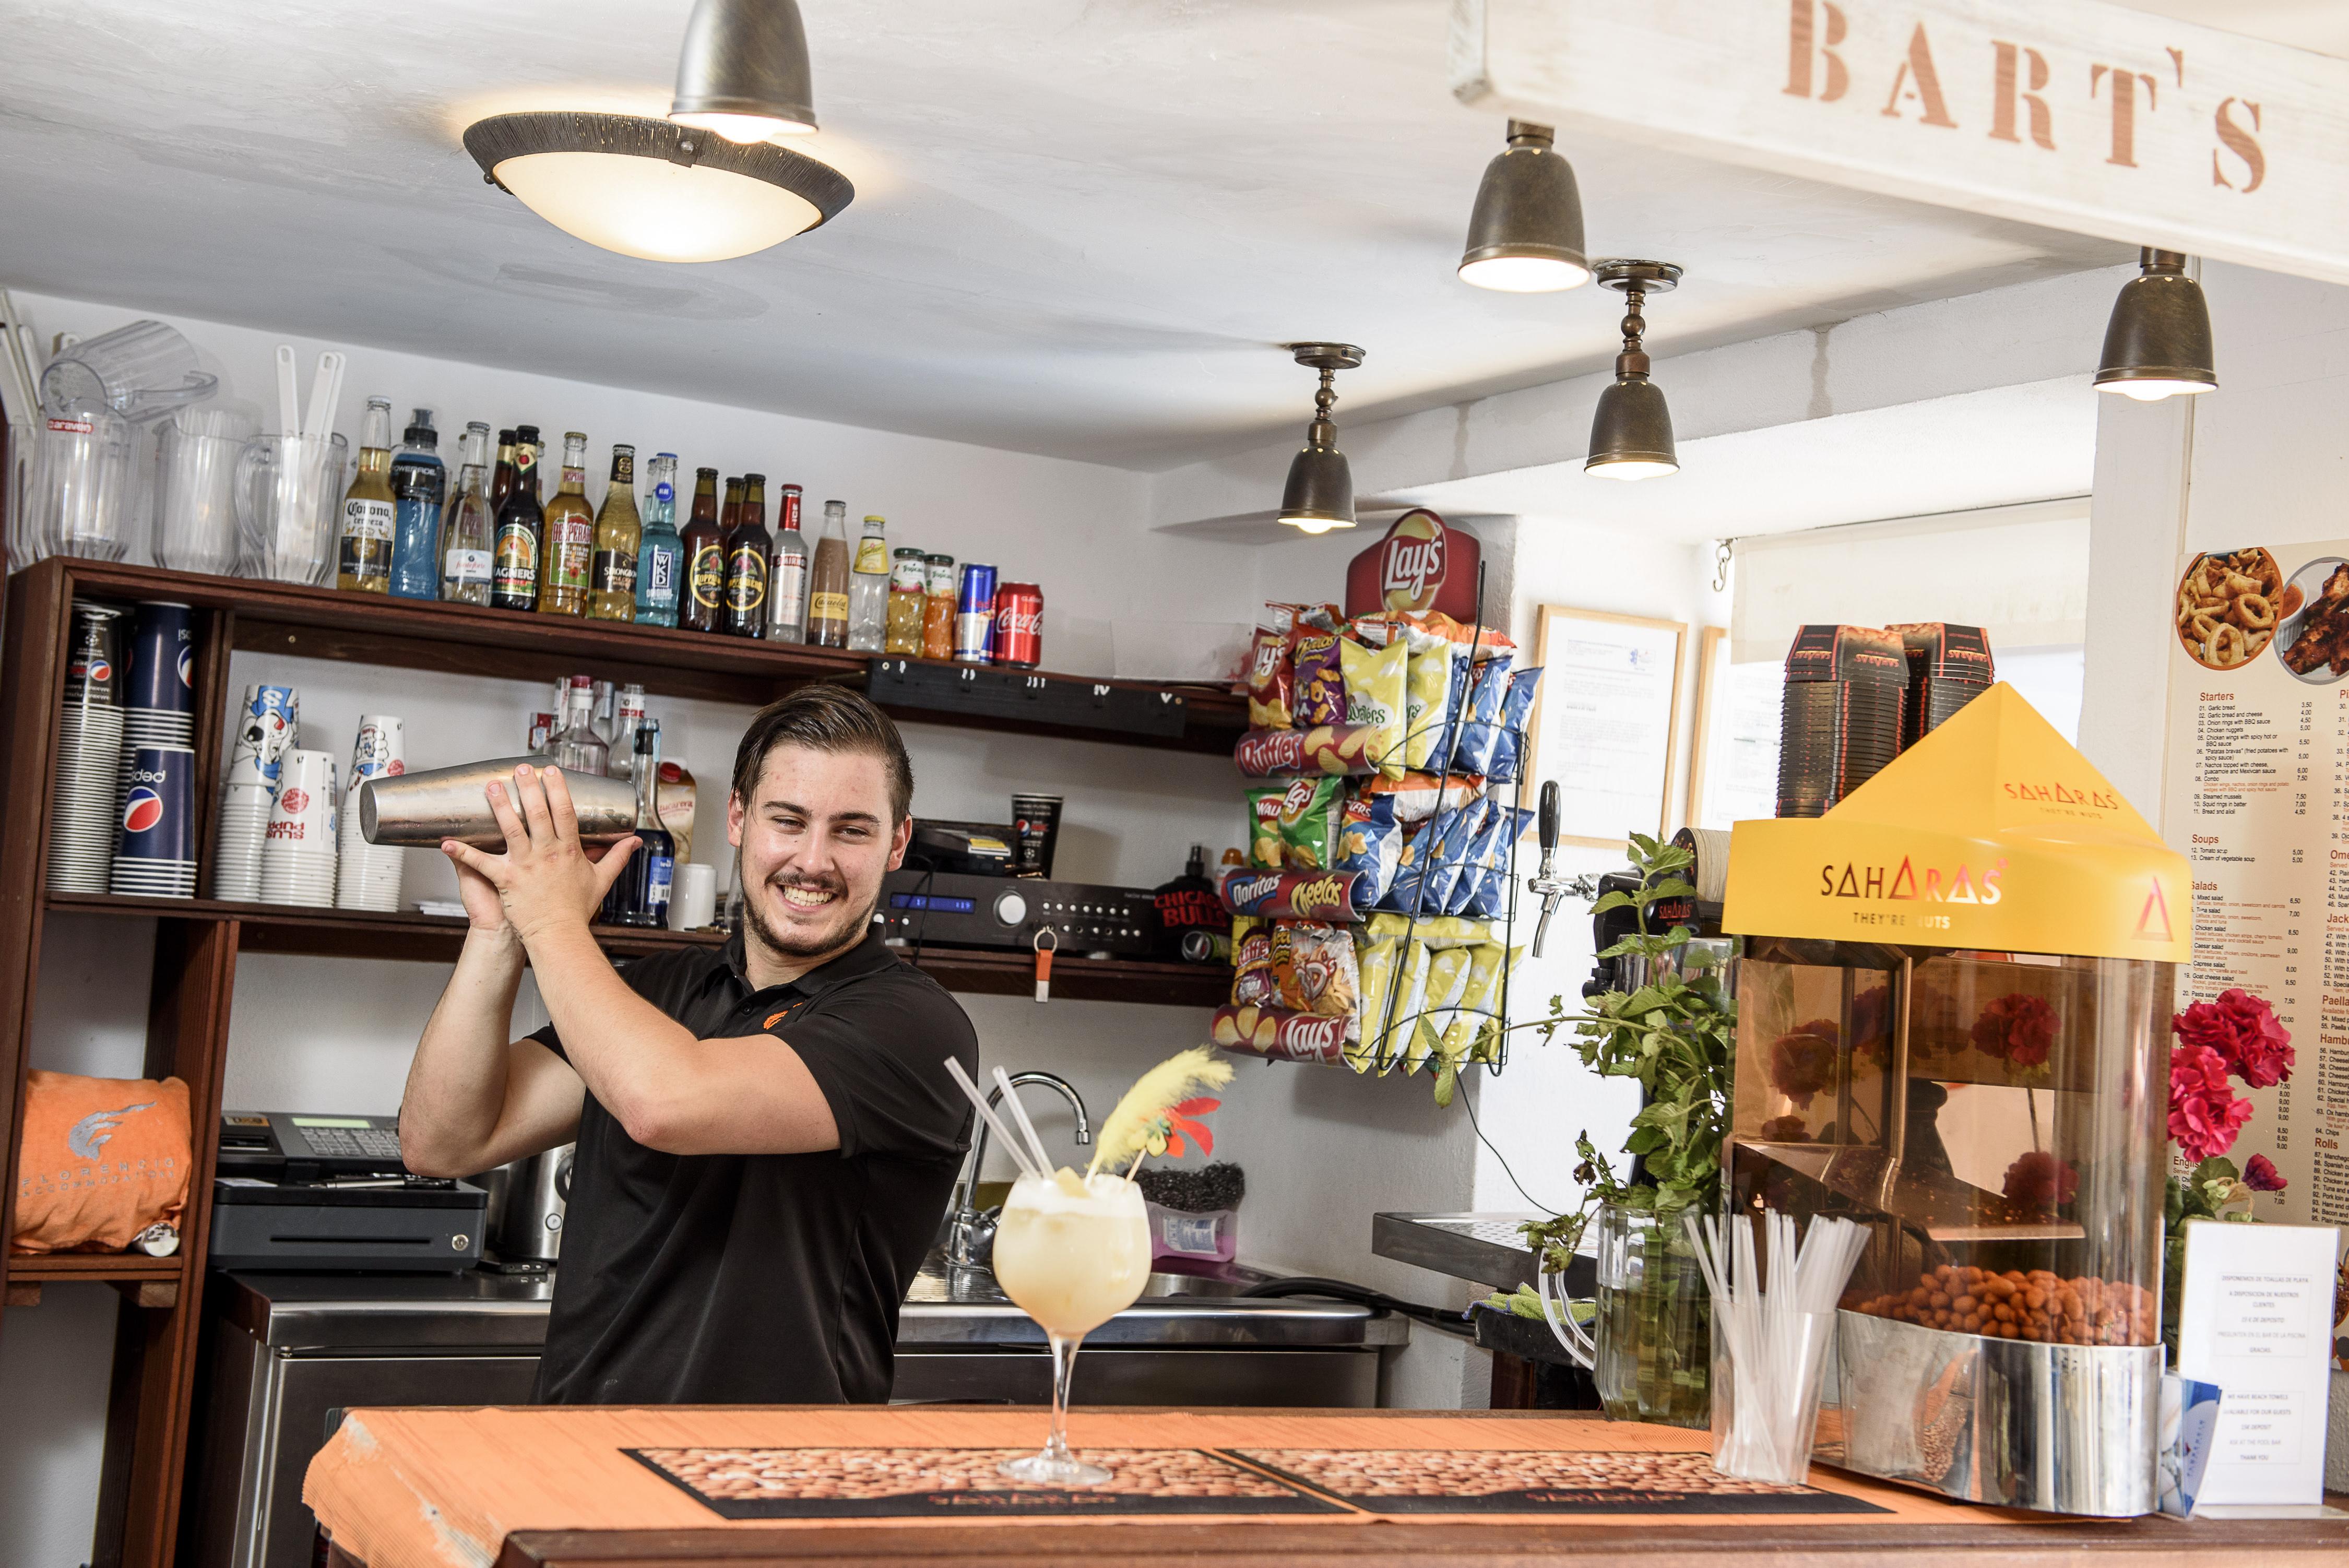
column 198, row 941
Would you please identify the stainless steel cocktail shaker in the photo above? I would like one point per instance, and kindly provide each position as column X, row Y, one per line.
column 420, row 809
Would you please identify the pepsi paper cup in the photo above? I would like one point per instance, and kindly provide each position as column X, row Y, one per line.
column 155, row 855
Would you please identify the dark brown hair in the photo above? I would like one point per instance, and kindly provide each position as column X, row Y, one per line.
column 825, row 718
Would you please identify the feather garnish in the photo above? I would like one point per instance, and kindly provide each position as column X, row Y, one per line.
column 1142, row 1115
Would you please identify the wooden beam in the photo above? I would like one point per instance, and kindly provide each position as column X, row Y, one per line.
column 22, row 1294
column 2066, row 113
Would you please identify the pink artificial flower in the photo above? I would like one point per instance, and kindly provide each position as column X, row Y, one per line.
column 2039, row 1183
column 2244, row 1030
column 2261, row 1176
column 2204, row 1113
column 1802, row 1062
column 2018, row 1029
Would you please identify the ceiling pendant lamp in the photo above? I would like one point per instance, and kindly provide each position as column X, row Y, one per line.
column 743, row 71
column 1319, row 495
column 1524, row 235
column 1632, row 433
column 655, row 189
column 2157, row 343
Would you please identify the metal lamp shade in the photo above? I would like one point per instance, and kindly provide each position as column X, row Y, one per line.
column 1524, row 235
column 743, row 70
column 2157, row 343
column 652, row 188
column 1319, row 495
column 1632, row 433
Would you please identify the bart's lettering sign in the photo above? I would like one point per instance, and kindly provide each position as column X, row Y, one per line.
column 2068, row 113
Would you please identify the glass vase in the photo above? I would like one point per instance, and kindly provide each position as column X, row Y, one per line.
column 1654, row 1325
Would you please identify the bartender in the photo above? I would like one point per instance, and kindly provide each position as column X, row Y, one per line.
column 767, row 1132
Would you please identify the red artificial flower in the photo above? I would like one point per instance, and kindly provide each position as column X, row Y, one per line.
column 1182, row 1118
column 1802, row 1062
column 2242, row 1029
column 1784, row 1130
column 2040, row 1183
column 2204, row 1113
column 2017, row 1029
column 2261, row 1176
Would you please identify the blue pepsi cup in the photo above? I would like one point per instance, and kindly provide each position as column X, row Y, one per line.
column 163, row 659
column 155, row 852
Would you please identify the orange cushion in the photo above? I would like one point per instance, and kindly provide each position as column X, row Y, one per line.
column 103, row 1159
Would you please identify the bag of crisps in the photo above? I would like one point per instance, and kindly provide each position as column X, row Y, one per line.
column 1376, row 678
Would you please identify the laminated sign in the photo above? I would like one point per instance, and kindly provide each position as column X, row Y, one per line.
column 1991, row 832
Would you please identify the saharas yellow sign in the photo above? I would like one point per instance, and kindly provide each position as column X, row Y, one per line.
column 1992, row 832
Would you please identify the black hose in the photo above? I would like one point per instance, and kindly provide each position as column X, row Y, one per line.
column 1437, row 1318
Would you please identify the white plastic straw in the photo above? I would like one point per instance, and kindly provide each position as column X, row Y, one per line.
column 326, row 396
column 1009, row 1139
column 1019, row 1111
column 289, row 399
column 1773, row 1336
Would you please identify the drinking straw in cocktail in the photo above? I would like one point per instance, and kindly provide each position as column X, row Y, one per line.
column 1008, row 1139
column 1020, row 1114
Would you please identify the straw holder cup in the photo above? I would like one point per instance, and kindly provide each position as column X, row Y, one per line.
column 418, row 810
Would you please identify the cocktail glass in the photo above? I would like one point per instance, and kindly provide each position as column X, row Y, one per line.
column 1072, row 1251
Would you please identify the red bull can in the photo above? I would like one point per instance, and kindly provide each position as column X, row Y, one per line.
column 974, row 627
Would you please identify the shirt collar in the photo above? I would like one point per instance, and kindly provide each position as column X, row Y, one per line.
column 868, row 957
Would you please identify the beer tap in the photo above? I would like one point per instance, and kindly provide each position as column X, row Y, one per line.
column 1545, row 883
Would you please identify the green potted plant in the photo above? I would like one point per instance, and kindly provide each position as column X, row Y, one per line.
column 1674, row 1031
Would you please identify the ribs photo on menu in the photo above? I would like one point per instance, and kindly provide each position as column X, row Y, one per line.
column 2312, row 639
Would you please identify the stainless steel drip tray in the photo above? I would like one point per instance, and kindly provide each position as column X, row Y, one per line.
column 2068, row 1428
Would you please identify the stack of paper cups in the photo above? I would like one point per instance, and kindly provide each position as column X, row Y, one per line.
column 298, row 863
column 83, row 824
column 155, row 856
column 158, row 707
column 367, row 876
column 264, row 733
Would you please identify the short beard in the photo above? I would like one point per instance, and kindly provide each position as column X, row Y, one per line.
column 785, row 947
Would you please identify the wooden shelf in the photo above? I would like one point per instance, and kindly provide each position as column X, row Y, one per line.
column 470, row 640
column 56, row 1268
column 435, row 939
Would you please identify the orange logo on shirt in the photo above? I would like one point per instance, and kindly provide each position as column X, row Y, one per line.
column 773, row 1019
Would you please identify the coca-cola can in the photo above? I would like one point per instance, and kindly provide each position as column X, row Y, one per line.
column 1020, row 624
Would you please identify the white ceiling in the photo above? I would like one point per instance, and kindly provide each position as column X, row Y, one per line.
column 1082, row 225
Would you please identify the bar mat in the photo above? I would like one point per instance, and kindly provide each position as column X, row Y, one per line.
column 1538, row 1481
column 962, row 1483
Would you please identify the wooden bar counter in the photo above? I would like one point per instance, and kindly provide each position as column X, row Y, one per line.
column 914, row 1485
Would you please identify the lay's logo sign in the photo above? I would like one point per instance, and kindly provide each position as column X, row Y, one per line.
column 1909, row 882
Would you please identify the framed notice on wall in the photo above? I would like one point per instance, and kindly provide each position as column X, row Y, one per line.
column 1733, row 758
column 1603, row 721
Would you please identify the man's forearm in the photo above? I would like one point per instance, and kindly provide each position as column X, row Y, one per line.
column 617, row 1042
column 457, row 1084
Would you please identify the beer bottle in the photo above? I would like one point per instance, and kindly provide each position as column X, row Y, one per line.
column 703, row 601
column 787, row 584
column 522, row 530
column 502, row 477
column 612, row 591
column 827, row 620
column 467, row 540
column 749, row 546
column 568, row 556
column 369, row 510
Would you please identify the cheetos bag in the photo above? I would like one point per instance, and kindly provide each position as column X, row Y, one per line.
column 103, row 1159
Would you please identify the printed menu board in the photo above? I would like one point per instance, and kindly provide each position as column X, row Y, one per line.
column 2258, row 784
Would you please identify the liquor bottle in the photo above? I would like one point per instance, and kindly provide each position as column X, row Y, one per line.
column 420, row 485
column 868, row 589
column 466, row 539
column 606, row 711
column 641, row 895
column 576, row 748
column 569, row 553
column 749, row 546
column 703, row 602
column 365, row 565
column 731, row 511
column 787, row 584
column 659, row 551
column 521, row 529
column 827, row 619
column 619, row 533
column 501, row 481
column 910, row 581
column 623, row 734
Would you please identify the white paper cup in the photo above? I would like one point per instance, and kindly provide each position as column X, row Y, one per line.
column 693, row 898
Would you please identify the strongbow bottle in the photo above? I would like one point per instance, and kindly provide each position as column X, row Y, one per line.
column 703, row 601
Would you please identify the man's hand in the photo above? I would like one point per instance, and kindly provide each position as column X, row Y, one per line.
column 546, row 880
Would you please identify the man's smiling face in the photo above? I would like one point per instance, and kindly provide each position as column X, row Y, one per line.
column 816, row 837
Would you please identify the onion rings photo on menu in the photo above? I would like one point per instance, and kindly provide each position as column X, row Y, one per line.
column 2228, row 605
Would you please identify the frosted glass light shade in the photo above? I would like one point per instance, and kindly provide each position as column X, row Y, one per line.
column 654, row 188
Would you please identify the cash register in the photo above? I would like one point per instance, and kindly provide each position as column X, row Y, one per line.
column 296, row 1191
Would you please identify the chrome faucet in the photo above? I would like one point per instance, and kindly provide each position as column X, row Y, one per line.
column 964, row 1225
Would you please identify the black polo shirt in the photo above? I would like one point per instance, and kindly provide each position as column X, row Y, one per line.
column 765, row 1278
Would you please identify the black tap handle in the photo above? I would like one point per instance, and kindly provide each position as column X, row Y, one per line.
column 1548, row 828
